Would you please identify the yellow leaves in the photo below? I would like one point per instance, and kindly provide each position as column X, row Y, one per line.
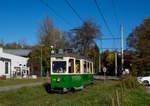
column 110, row 59
column 59, row 31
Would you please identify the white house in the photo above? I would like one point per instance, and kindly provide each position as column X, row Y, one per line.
column 12, row 65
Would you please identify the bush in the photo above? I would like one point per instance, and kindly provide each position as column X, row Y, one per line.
column 130, row 81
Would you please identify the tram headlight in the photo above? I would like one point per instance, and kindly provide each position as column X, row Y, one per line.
column 58, row 79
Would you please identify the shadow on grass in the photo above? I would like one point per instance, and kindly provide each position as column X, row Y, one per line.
column 47, row 87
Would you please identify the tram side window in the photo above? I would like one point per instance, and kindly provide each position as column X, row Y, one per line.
column 59, row 66
column 77, row 67
column 71, row 65
column 91, row 67
column 88, row 67
column 85, row 67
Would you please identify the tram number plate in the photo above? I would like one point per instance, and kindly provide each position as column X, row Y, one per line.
column 76, row 78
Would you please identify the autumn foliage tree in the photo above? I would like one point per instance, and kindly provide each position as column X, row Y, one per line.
column 94, row 53
column 81, row 38
column 48, row 35
column 85, row 36
column 139, row 43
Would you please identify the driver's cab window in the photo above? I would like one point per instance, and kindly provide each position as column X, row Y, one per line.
column 71, row 66
column 59, row 66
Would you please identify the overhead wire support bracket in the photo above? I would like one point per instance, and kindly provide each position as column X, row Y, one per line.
column 110, row 38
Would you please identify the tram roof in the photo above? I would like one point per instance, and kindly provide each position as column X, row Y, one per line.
column 71, row 55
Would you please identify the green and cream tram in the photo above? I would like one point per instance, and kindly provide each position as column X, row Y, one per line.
column 70, row 72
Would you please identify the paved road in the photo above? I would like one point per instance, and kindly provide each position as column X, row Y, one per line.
column 96, row 77
column 6, row 88
column 101, row 77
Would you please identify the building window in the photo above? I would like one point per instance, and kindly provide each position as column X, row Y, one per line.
column 6, row 67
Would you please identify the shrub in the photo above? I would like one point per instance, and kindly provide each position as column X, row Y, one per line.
column 129, row 81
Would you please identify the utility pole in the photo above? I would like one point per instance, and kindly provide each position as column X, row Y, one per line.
column 51, row 47
column 41, row 59
column 116, row 61
column 41, row 62
column 122, row 61
column 100, row 62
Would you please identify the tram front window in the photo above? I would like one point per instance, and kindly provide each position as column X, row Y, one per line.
column 59, row 66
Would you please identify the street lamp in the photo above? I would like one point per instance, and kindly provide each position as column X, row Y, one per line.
column 41, row 59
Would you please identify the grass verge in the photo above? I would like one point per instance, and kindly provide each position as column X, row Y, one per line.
column 98, row 94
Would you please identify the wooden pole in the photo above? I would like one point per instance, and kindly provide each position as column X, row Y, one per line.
column 117, row 96
column 112, row 102
column 121, row 92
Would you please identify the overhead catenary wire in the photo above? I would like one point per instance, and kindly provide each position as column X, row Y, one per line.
column 115, row 13
column 75, row 12
column 57, row 14
column 101, row 14
column 105, row 22
column 116, row 16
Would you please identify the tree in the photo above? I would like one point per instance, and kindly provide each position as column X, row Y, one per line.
column 110, row 59
column 48, row 35
column 13, row 45
column 139, row 43
column 85, row 36
column 1, row 42
column 95, row 54
column 22, row 42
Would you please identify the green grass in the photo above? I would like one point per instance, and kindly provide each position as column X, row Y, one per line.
column 93, row 95
column 136, row 97
column 98, row 94
column 12, row 81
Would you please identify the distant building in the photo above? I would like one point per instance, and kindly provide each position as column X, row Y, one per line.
column 18, row 52
column 14, row 62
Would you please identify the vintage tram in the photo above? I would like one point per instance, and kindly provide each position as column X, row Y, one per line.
column 70, row 71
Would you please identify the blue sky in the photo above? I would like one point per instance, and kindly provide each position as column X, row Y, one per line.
column 19, row 19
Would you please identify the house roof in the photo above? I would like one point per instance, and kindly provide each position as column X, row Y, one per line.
column 18, row 52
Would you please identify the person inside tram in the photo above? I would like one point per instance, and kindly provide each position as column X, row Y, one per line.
column 61, row 70
column 59, row 67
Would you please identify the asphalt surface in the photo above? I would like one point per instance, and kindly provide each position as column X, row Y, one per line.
column 96, row 77
column 101, row 77
column 6, row 88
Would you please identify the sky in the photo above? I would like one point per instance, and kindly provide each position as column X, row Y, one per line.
column 19, row 19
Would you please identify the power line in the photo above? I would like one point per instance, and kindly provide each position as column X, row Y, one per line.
column 101, row 14
column 115, row 13
column 110, row 48
column 74, row 10
column 58, row 15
